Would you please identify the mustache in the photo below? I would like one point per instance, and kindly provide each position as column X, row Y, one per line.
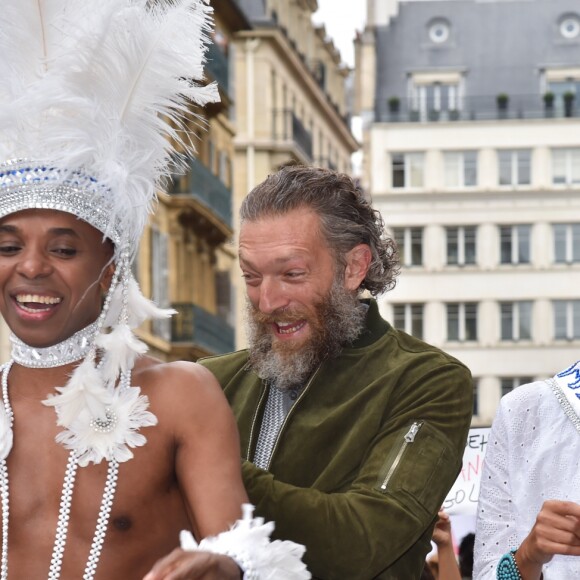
column 284, row 315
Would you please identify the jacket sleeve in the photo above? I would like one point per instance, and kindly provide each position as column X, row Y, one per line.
column 393, row 499
column 496, row 520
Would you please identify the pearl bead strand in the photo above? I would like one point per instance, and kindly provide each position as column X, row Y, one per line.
column 65, row 503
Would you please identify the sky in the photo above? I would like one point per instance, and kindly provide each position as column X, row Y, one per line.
column 342, row 18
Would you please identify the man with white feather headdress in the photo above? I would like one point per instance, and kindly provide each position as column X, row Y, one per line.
column 89, row 94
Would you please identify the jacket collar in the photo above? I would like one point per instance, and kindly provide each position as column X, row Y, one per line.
column 375, row 326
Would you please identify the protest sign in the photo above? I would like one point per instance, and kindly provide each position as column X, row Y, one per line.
column 463, row 496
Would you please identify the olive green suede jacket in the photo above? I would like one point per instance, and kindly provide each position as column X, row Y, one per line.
column 366, row 455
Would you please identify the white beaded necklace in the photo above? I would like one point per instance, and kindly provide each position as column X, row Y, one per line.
column 65, row 502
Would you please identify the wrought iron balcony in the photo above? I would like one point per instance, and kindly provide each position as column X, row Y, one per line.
column 218, row 66
column 288, row 127
column 207, row 188
column 192, row 324
column 477, row 108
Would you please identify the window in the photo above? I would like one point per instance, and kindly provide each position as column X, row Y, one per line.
column 407, row 169
column 566, row 166
column 515, row 244
column 435, row 99
column 514, row 167
column 460, row 245
column 508, row 384
column 516, row 320
column 224, row 168
column 410, row 244
column 460, row 168
column 439, row 31
column 160, row 281
column 566, row 243
column 409, row 317
column 559, row 87
column 566, row 319
column 462, row 321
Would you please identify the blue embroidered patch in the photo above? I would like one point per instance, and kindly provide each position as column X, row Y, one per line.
column 575, row 371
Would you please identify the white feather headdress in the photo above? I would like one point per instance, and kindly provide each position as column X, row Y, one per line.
column 93, row 97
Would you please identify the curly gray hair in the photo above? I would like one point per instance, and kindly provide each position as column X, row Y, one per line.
column 346, row 217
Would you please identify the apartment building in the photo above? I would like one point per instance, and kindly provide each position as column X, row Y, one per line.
column 185, row 259
column 472, row 154
column 290, row 102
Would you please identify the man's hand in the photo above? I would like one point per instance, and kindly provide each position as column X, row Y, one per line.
column 556, row 531
column 198, row 565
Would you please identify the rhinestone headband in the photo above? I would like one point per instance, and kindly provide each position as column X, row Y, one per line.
column 68, row 351
column 28, row 185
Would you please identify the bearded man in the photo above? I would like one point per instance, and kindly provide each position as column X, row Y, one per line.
column 352, row 431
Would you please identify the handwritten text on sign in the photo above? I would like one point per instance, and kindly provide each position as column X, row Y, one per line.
column 463, row 496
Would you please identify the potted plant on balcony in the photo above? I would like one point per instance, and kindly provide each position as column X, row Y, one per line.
column 569, row 98
column 433, row 115
column 549, row 103
column 394, row 105
column 453, row 114
column 502, row 101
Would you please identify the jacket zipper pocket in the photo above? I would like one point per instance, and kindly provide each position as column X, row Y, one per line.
column 407, row 440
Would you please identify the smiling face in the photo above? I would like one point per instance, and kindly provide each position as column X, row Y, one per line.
column 54, row 269
column 288, row 269
column 303, row 306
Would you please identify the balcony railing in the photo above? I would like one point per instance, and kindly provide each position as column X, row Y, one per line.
column 192, row 324
column 207, row 188
column 288, row 127
column 477, row 108
column 218, row 66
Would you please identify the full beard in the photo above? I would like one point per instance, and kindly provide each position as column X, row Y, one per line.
column 337, row 321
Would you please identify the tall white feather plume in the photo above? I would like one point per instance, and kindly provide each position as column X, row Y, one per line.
column 101, row 87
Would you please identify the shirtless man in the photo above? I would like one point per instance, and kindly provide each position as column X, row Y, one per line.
column 105, row 454
column 53, row 271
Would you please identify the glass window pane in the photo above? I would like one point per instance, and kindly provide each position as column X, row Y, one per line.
column 525, row 320
column 452, row 246
column 560, row 307
column 524, row 167
column 576, row 243
column 507, row 386
column 471, row 322
column 524, row 244
column 452, row 321
column 576, row 319
column 398, row 170
column 415, row 167
column 470, row 248
column 399, row 237
column 505, row 244
column 416, row 246
column 505, row 167
column 560, row 243
column 470, row 168
column 575, row 165
column 558, row 166
column 399, row 316
column 417, row 320
column 506, row 310
column 452, row 164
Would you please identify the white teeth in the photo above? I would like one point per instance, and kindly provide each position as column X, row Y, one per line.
column 289, row 327
column 37, row 299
